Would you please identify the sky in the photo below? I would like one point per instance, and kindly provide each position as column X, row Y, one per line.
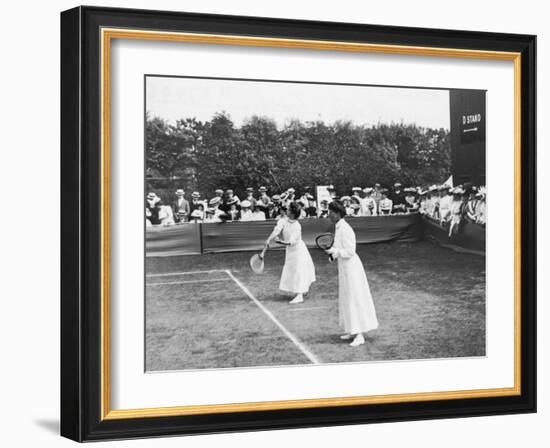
column 173, row 98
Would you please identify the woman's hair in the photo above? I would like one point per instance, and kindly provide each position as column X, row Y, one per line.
column 337, row 207
column 294, row 209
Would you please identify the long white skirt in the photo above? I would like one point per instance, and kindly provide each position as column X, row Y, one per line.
column 298, row 272
column 355, row 306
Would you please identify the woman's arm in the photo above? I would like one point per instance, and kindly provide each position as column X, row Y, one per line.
column 347, row 244
column 276, row 231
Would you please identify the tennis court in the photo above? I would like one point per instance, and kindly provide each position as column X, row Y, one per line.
column 212, row 311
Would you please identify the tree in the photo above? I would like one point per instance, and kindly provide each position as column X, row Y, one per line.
column 217, row 154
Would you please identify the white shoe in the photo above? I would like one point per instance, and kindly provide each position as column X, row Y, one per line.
column 359, row 340
column 346, row 337
column 297, row 299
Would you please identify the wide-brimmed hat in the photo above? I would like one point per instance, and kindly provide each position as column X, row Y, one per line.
column 397, row 184
column 262, row 189
column 229, row 191
column 457, row 190
column 367, row 190
column 214, row 201
column 151, row 196
column 249, row 190
column 345, row 198
column 291, row 190
column 245, row 204
column 219, row 191
column 195, row 194
column 356, row 189
column 275, row 198
column 180, row 192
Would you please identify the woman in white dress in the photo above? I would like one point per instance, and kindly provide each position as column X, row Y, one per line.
column 356, row 311
column 298, row 271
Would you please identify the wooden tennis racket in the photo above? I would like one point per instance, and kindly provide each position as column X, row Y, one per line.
column 325, row 242
column 257, row 261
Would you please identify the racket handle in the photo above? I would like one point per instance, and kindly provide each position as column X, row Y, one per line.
column 263, row 252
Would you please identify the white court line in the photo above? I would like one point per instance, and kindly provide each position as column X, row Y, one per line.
column 185, row 273
column 309, row 308
column 269, row 314
column 206, row 280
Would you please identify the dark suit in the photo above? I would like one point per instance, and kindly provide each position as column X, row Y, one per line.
column 181, row 209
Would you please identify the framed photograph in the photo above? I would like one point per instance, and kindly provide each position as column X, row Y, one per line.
column 274, row 224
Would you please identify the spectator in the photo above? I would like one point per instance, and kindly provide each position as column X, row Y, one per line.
column 218, row 193
column 346, row 202
column 197, row 215
column 166, row 217
column 219, row 215
column 274, row 207
column 323, row 209
column 411, row 202
column 471, row 205
column 481, row 217
column 246, row 212
column 398, row 198
column 356, row 193
column 264, row 201
column 385, row 207
column 152, row 209
column 181, row 207
column 356, row 206
column 377, row 194
column 456, row 210
column 368, row 203
column 258, row 214
column 229, row 195
column 233, row 214
column 250, row 196
column 210, row 216
column 195, row 202
column 445, row 200
column 311, row 209
column 423, row 196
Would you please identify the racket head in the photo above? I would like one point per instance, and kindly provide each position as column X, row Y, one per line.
column 257, row 263
column 324, row 241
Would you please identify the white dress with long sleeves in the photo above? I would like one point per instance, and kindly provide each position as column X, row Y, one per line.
column 298, row 271
column 355, row 305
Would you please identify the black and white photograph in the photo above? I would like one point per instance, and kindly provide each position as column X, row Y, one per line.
column 296, row 223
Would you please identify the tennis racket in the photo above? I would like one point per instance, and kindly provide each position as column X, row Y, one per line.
column 324, row 242
column 257, row 262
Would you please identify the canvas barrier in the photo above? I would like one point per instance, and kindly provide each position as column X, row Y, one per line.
column 192, row 239
column 470, row 237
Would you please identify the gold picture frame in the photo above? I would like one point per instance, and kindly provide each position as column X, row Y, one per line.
column 105, row 31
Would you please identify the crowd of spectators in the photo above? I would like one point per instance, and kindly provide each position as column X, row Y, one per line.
column 445, row 204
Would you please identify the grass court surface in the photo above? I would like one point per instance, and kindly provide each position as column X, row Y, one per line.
column 212, row 311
